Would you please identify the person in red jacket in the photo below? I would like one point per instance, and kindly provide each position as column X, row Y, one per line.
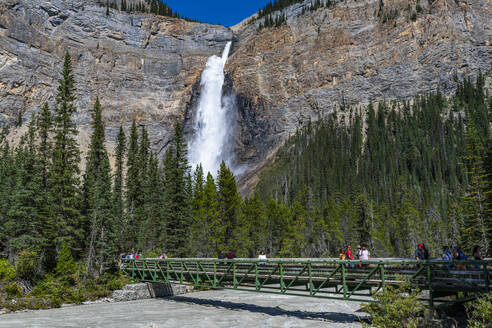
column 349, row 254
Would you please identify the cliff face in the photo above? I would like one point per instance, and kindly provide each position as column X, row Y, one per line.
column 357, row 51
column 148, row 68
column 142, row 67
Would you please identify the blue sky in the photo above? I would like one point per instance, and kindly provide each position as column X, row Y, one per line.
column 225, row 12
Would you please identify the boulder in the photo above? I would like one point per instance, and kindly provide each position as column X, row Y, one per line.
column 149, row 290
column 132, row 292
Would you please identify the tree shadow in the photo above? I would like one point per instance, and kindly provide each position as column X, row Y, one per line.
column 273, row 311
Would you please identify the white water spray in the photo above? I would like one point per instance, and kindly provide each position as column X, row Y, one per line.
column 212, row 140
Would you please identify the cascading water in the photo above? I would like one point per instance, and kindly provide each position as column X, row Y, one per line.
column 212, row 129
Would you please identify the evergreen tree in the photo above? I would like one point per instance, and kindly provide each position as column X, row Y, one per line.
column 199, row 226
column 178, row 199
column 64, row 181
column 154, row 220
column 214, row 235
column 228, row 205
column 44, row 127
column 118, row 196
column 65, row 265
column 23, row 221
column 97, row 187
column 133, row 188
column 8, row 180
column 44, row 122
column 252, row 233
column 476, row 228
column 143, row 160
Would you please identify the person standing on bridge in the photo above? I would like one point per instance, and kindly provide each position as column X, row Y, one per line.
column 349, row 256
column 357, row 254
column 446, row 254
column 420, row 253
column 348, row 253
column 365, row 255
column 341, row 255
column 262, row 256
column 477, row 255
column 230, row 255
column 222, row 256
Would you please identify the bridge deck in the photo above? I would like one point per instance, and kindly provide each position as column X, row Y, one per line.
column 347, row 280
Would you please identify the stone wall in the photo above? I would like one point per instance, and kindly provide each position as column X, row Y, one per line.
column 149, row 290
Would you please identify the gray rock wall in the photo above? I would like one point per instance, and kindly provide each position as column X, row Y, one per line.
column 142, row 291
column 141, row 67
column 147, row 68
column 359, row 51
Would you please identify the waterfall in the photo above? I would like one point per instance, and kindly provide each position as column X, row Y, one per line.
column 213, row 136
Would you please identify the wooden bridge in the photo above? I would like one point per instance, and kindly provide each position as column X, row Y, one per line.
column 440, row 281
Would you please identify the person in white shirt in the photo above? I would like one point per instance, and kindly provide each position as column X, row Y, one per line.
column 364, row 254
column 262, row 256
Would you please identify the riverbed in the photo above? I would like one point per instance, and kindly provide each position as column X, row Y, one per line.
column 220, row 308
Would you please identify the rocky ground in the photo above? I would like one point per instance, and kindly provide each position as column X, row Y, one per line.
column 202, row 309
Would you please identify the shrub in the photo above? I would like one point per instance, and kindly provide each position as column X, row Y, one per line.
column 117, row 281
column 396, row 308
column 76, row 296
column 7, row 271
column 418, row 8
column 480, row 312
column 65, row 265
column 31, row 303
column 49, row 287
column 114, row 283
column 27, row 265
column 56, row 302
column 413, row 17
column 13, row 290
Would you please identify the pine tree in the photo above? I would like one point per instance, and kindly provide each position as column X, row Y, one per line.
column 199, row 226
column 488, row 173
column 252, row 233
column 44, row 125
column 133, row 188
column 215, row 234
column 65, row 265
column 476, row 219
column 143, row 158
column 64, row 181
column 97, row 187
column 8, row 181
column 23, row 220
column 228, row 204
column 154, row 225
column 178, row 199
column 118, row 196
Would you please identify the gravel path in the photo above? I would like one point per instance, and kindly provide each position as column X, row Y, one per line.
column 202, row 309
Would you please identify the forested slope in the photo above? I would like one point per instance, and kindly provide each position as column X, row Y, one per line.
column 391, row 175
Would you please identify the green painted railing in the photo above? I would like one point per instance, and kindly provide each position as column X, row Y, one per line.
column 441, row 281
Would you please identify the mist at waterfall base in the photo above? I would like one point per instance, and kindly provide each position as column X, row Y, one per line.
column 214, row 124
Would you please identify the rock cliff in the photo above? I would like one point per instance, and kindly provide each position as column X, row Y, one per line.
column 147, row 67
column 141, row 66
column 358, row 51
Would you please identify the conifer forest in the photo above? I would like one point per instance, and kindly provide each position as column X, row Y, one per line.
column 390, row 175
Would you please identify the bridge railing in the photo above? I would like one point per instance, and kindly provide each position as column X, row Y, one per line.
column 326, row 278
